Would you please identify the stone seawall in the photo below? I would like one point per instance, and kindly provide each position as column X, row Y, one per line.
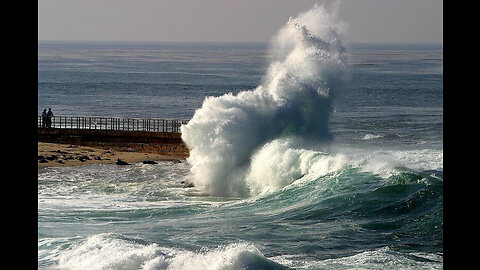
column 163, row 143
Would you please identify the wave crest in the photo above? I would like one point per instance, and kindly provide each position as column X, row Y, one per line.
column 114, row 251
column 294, row 100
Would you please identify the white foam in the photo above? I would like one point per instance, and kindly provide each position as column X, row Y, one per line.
column 372, row 136
column 387, row 162
column 112, row 251
column 383, row 258
column 294, row 99
column 277, row 164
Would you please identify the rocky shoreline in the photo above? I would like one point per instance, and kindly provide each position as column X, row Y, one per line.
column 64, row 155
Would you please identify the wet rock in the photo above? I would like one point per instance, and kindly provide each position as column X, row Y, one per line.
column 83, row 158
column 121, row 162
column 52, row 157
column 149, row 162
column 187, row 184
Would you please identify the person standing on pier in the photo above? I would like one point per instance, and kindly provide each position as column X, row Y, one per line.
column 44, row 118
column 49, row 117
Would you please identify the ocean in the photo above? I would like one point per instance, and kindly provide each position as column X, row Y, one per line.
column 306, row 154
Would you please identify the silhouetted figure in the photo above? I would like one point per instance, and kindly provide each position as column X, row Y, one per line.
column 44, row 118
column 49, row 117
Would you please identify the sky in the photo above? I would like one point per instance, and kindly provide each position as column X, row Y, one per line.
column 390, row 21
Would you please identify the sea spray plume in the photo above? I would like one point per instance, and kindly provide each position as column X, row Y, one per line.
column 294, row 99
column 309, row 66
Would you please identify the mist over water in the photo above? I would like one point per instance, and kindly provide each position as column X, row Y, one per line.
column 294, row 100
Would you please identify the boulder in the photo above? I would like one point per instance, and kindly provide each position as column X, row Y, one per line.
column 52, row 157
column 121, row 162
column 188, row 185
column 149, row 162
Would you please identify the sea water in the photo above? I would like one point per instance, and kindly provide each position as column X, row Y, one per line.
column 306, row 153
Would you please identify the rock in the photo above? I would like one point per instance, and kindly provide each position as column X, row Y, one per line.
column 83, row 158
column 98, row 158
column 60, row 161
column 176, row 161
column 43, row 161
column 41, row 157
column 149, row 162
column 121, row 162
column 188, row 185
column 52, row 157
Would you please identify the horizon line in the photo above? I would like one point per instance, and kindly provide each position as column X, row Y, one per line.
column 224, row 42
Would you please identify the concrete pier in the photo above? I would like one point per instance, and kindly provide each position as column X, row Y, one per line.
column 157, row 136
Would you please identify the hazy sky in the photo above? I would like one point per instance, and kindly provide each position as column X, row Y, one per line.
column 231, row 20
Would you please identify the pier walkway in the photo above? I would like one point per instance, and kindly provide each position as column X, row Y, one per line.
column 113, row 123
column 153, row 135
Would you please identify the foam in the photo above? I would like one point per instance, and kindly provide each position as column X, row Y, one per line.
column 386, row 163
column 372, row 137
column 294, row 100
column 383, row 258
column 278, row 164
column 113, row 251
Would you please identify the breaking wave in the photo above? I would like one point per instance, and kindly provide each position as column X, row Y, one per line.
column 229, row 134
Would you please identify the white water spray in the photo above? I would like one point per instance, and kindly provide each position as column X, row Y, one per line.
column 293, row 101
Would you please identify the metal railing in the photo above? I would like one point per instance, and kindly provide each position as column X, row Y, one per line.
column 112, row 123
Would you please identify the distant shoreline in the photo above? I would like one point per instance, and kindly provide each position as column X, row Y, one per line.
column 67, row 155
